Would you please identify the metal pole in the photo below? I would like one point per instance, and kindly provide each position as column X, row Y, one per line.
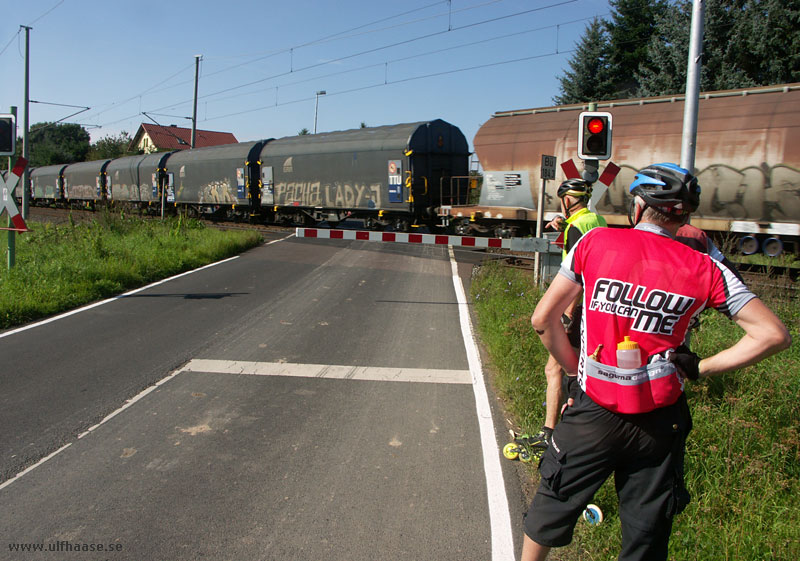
column 695, row 63
column 537, row 276
column 25, row 124
column 12, row 241
column 316, row 108
column 197, row 59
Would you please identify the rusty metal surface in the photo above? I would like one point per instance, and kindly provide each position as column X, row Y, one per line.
column 747, row 158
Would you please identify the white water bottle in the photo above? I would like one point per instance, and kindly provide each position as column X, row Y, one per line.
column 628, row 354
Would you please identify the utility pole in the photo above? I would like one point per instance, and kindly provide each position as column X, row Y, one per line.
column 12, row 241
column 26, row 176
column 197, row 59
column 694, row 65
column 316, row 108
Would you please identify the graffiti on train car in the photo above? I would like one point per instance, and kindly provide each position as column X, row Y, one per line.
column 766, row 193
column 217, row 192
column 123, row 191
column 331, row 195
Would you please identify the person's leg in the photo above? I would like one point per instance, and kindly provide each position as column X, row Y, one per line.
column 552, row 372
column 579, row 459
column 650, row 487
column 532, row 551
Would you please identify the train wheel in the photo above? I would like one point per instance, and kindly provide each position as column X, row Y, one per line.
column 400, row 225
column 773, row 247
column 462, row 228
column 748, row 245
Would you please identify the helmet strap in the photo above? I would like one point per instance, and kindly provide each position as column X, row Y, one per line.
column 569, row 209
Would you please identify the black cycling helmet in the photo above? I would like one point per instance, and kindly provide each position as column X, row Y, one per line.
column 668, row 187
column 579, row 188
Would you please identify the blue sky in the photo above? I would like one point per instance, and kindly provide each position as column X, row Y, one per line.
column 380, row 62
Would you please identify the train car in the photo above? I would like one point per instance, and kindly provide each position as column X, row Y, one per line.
column 217, row 180
column 747, row 161
column 47, row 184
column 389, row 176
column 86, row 181
column 138, row 179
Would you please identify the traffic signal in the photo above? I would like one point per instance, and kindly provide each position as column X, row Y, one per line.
column 8, row 135
column 594, row 135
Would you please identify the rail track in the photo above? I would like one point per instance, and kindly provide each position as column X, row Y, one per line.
column 758, row 277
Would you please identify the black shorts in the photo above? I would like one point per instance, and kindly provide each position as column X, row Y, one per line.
column 645, row 452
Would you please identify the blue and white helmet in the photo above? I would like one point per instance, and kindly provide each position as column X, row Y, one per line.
column 669, row 187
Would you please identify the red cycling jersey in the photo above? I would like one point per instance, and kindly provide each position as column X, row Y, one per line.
column 644, row 284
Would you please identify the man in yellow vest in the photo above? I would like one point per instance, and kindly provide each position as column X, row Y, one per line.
column 577, row 220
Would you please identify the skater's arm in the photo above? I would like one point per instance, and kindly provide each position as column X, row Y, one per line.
column 546, row 320
column 764, row 335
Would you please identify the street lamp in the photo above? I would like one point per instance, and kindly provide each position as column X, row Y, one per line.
column 316, row 108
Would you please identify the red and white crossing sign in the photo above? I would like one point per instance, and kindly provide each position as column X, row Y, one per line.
column 7, row 187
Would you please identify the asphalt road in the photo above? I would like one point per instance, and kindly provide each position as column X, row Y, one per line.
column 310, row 398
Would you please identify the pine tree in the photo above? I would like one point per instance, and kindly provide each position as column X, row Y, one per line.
column 588, row 78
column 631, row 29
column 745, row 43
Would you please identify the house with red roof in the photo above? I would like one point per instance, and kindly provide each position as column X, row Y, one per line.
column 152, row 138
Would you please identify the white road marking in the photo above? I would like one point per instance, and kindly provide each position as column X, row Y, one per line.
column 374, row 373
column 499, row 517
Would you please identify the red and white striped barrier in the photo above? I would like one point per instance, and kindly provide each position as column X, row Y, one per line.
column 516, row 244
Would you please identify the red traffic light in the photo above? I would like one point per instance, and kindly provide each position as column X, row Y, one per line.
column 594, row 135
column 596, row 125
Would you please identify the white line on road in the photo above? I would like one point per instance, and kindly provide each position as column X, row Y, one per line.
column 499, row 518
column 373, row 373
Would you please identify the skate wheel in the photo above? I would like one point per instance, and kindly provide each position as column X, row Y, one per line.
column 510, row 451
column 525, row 456
column 593, row 515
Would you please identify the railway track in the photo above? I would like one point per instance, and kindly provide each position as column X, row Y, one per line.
column 758, row 277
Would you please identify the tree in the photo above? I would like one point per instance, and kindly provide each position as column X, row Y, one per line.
column 56, row 143
column 303, row 132
column 745, row 43
column 632, row 25
column 663, row 72
column 110, row 147
column 588, row 79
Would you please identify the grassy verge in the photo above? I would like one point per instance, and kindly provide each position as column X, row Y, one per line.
column 61, row 267
column 743, row 456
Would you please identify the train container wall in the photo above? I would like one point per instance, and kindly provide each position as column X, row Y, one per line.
column 122, row 179
column 135, row 178
column 360, row 169
column 217, row 175
column 47, row 182
column 439, row 153
column 85, row 181
column 747, row 153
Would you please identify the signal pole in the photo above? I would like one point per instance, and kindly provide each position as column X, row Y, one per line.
column 12, row 241
column 25, row 123
column 694, row 65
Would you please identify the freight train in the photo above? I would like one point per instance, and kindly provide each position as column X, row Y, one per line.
column 417, row 174
column 389, row 177
column 747, row 162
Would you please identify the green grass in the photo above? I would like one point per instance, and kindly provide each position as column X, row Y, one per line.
column 62, row 267
column 743, row 455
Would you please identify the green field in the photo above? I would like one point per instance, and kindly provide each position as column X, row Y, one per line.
column 62, row 267
column 743, row 455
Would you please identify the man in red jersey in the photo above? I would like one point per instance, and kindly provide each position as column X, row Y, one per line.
column 644, row 287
